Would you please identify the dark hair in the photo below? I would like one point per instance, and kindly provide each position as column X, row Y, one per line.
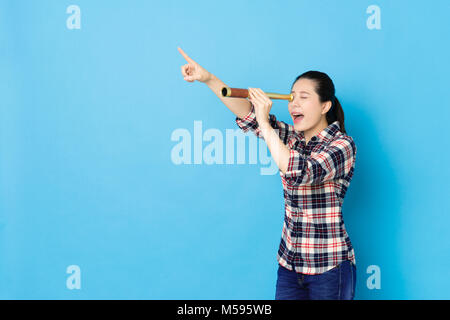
column 325, row 89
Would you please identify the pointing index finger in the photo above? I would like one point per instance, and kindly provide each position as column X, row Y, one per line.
column 185, row 55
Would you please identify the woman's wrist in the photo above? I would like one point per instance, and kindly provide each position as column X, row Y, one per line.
column 209, row 78
column 264, row 125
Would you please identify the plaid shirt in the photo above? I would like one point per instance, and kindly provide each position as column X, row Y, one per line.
column 314, row 238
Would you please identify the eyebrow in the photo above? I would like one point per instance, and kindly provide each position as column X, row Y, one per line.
column 300, row 91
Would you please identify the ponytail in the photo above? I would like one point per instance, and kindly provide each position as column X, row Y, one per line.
column 336, row 113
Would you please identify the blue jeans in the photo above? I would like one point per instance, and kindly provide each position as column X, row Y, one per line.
column 335, row 284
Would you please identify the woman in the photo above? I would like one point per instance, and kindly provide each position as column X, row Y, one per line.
column 316, row 159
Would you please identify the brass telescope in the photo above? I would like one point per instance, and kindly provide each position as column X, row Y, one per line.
column 243, row 93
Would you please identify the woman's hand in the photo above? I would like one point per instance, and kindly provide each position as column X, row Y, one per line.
column 192, row 70
column 278, row 150
column 262, row 104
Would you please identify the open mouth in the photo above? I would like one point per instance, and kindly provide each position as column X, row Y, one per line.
column 297, row 116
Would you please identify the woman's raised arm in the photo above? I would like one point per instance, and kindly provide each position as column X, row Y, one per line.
column 193, row 71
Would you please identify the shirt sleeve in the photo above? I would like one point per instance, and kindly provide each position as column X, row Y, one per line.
column 249, row 122
column 334, row 162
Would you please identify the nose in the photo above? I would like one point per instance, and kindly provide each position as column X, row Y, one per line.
column 294, row 101
column 293, row 104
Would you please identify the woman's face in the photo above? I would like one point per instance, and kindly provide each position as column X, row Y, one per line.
column 306, row 102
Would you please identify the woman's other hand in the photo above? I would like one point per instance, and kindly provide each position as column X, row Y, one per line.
column 192, row 70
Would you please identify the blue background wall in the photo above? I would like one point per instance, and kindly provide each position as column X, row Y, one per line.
column 86, row 175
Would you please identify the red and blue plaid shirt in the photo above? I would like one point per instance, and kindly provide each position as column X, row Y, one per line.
column 314, row 238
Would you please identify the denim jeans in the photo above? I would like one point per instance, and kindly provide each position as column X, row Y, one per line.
column 335, row 284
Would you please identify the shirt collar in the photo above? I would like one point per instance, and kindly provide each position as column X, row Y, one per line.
column 326, row 134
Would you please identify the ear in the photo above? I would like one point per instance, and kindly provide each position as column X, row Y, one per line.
column 326, row 107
